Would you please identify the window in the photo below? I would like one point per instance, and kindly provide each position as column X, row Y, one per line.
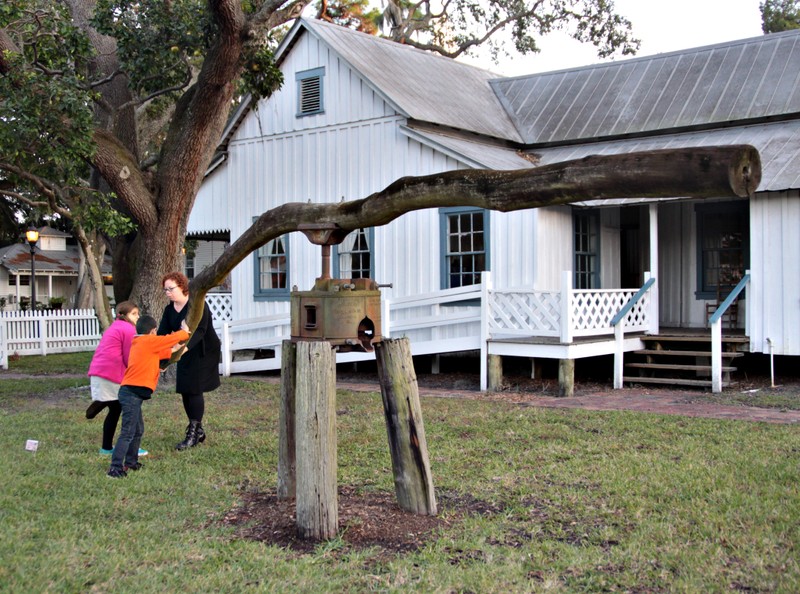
column 309, row 91
column 272, row 273
column 465, row 235
column 24, row 280
column 723, row 240
column 587, row 247
column 353, row 257
column 189, row 267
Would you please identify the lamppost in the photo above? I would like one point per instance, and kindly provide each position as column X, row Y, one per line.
column 32, row 235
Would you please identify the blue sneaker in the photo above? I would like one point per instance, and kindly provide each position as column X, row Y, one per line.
column 105, row 452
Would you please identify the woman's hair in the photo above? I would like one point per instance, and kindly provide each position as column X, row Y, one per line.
column 124, row 308
column 179, row 279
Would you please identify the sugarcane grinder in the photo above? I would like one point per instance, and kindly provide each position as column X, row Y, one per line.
column 344, row 312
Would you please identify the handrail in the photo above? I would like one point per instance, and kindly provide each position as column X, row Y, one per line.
column 633, row 300
column 717, row 315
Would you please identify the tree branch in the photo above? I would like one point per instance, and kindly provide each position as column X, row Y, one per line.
column 121, row 171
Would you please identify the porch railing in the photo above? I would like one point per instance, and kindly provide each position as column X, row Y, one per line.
column 715, row 321
column 565, row 315
column 634, row 309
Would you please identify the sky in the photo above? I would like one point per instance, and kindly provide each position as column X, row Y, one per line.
column 661, row 25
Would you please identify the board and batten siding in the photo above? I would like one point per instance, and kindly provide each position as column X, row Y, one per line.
column 352, row 149
column 775, row 270
column 347, row 99
column 211, row 211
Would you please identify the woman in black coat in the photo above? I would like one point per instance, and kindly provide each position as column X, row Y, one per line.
column 198, row 368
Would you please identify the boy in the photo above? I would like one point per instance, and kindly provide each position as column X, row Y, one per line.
column 138, row 385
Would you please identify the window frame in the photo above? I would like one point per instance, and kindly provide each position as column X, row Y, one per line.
column 444, row 243
column 593, row 253
column 713, row 211
column 301, row 79
column 189, row 263
column 370, row 233
column 278, row 294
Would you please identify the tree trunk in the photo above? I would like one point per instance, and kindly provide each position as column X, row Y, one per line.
column 102, row 306
column 315, row 431
column 413, row 484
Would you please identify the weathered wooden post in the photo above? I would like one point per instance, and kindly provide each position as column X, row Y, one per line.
column 409, row 449
column 286, row 431
column 316, row 448
column 566, row 377
column 494, row 368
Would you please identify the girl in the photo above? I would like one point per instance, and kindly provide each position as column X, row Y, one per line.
column 107, row 368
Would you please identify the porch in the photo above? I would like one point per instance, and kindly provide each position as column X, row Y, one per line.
column 565, row 325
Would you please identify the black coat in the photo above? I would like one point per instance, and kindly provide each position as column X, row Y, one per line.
column 198, row 368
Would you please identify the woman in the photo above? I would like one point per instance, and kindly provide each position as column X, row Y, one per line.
column 108, row 365
column 198, row 368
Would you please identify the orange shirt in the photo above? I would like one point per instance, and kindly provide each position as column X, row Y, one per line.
column 146, row 351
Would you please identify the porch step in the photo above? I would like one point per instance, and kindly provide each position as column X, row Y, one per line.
column 676, row 338
column 656, row 352
column 685, row 360
column 676, row 367
column 672, row 381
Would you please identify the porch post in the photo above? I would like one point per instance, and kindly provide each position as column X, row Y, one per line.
column 486, row 280
column 226, row 349
column 566, row 307
column 654, row 321
column 716, row 356
column 619, row 356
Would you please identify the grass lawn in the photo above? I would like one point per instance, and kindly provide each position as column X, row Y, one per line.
column 560, row 500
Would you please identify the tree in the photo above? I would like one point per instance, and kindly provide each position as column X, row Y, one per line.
column 457, row 27
column 779, row 15
column 125, row 101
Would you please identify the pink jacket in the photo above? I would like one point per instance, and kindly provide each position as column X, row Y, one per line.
column 111, row 356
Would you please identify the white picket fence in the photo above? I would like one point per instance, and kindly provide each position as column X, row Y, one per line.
column 68, row 330
column 47, row 332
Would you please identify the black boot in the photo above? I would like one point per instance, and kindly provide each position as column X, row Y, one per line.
column 201, row 434
column 191, row 438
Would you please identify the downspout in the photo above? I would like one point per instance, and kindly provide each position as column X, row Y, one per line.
column 771, row 363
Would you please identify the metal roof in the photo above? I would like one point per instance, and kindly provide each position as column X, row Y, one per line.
column 778, row 144
column 743, row 80
column 472, row 151
column 420, row 85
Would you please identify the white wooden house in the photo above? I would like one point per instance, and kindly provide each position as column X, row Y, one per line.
column 356, row 113
column 57, row 268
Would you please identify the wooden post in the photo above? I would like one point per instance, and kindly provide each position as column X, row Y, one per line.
column 315, row 431
column 566, row 377
column 401, row 407
column 287, row 470
column 495, row 373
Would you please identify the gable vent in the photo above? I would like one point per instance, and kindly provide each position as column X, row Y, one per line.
column 309, row 89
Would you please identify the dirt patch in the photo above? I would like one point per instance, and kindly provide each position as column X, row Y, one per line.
column 366, row 520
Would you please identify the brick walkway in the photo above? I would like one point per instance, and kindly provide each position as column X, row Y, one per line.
column 634, row 399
